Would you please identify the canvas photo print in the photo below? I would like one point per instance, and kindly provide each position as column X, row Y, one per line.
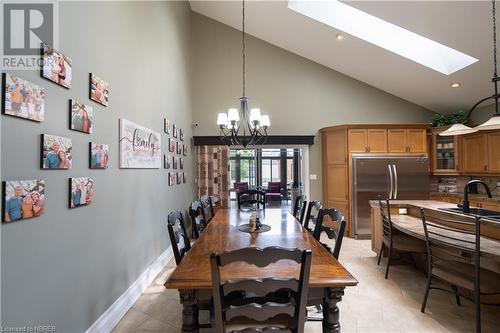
column 167, row 161
column 181, row 134
column 80, row 192
column 56, row 152
column 82, row 117
column 99, row 155
column 140, row 147
column 99, row 90
column 179, row 178
column 179, row 147
column 171, row 178
column 184, row 178
column 181, row 163
column 167, row 126
column 175, row 162
column 21, row 98
column 171, row 145
column 174, row 131
column 23, row 199
column 184, row 150
column 56, row 66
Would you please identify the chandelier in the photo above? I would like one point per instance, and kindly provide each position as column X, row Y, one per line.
column 240, row 127
column 494, row 122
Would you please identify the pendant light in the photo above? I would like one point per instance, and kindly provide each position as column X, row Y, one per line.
column 240, row 127
column 494, row 122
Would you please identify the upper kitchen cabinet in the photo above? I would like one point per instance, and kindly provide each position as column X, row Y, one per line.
column 445, row 152
column 480, row 153
column 407, row 140
column 367, row 140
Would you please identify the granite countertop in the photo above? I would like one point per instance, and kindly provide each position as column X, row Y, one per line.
column 433, row 205
column 473, row 196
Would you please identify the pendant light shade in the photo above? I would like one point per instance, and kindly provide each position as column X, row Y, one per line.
column 492, row 124
column 458, row 129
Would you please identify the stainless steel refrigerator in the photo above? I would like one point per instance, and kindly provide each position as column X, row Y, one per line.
column 393, row 177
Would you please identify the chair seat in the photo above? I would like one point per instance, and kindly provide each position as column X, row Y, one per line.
column 462, row 275
column 405, row 243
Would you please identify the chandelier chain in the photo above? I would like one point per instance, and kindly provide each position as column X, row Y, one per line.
column 243, row 46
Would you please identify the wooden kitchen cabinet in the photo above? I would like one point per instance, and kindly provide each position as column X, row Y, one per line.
column 367, row 140
column 474, row 154
column 493, row 141
column 340, row 142
column 407, row 140
column 444, row 153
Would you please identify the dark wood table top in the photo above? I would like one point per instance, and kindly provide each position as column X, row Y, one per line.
column 222, row 235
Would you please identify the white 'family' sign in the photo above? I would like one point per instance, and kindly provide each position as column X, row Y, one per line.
column 140, row 147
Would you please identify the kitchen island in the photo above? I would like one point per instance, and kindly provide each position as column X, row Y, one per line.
column 405, row 215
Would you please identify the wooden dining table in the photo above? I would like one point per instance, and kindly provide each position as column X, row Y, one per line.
column 192, row 278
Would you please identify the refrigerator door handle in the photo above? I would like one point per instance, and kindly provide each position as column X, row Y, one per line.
column 395, row 191
column 389, row 192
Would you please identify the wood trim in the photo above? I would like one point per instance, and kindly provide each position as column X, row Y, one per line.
column 271, row 140
column 374, row 126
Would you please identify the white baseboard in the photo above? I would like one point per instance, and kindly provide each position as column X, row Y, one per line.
column 108, row 320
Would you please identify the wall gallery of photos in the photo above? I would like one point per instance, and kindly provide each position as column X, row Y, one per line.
column 139, row 147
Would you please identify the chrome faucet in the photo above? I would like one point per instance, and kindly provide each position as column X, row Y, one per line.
column 466, row 204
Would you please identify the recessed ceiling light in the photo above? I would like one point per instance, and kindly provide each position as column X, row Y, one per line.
column 340, row 36
column 455, row 85
column 374, row 30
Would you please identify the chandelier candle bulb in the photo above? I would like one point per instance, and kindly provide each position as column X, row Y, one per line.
column 233, row 114
column 264, row 121
column 222, row 119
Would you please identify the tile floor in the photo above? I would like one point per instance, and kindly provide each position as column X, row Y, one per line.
column 375, row 305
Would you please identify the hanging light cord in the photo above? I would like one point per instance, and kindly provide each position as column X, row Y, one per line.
column 243, row 46
column 494, row 41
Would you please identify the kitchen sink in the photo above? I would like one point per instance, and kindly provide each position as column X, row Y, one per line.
column 476, row 211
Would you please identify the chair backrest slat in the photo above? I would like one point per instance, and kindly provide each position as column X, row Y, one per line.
column 297, row 205
column 208, row 207
column 385, row 215
column 262, row 304
column 312, row 212
column 198, row 219
column 455, row 235
column 335, row 231
column 178, row 236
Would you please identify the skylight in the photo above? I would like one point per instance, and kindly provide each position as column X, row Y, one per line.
column 389, row 36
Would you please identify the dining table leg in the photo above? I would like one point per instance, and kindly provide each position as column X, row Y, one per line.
column 190, row 311
column 331, row 315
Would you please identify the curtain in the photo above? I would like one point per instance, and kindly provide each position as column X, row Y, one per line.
column 212, row 173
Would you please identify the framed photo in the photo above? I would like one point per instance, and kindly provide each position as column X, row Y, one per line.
column 56, row 66
column 22, row 98
column 140, row 147
column 98, row 90
column 98, row 155
column 171, row 178
column 174, row 131
column 22, row 199
column 80, row 191
column 181, row 163
column 179, row 147
column 181, row 134
column 171, row 145
column 184, row 178
column 174, row 162
column 55, row 152
column 167, row 161
column 167, row 126
column 179, row 178
column 81, row 117
column 184, row 150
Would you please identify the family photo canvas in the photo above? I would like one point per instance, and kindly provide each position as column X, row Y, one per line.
column 167, row 126
column 99, row 155
column 171, row 145
column 167, row 161
column 21, row 98
column 56, row 66
column 81, row 191
column 171, row 178
column 56, row 152
column 23, row 199
column 82, row 117
column 99, row 90
column 140, row 147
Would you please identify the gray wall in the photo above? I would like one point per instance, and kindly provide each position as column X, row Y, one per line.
column 299, row 95
column 68, row 266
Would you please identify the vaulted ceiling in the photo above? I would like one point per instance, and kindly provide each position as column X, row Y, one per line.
column 464, row 26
